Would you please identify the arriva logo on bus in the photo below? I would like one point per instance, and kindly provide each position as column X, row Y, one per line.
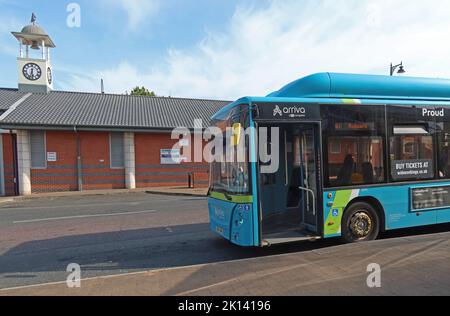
column 433, row 113
column 291, row 111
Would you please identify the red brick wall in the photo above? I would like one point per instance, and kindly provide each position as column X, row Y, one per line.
column 8, row 164
column 62, row 175
column 150, row 172
column 97, row 173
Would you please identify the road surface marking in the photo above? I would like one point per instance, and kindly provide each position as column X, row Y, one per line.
column 130, row 203
column 11, row 208
column 81, row 216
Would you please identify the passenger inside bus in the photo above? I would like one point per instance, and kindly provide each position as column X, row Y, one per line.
column 346, row 172
column 368, row 172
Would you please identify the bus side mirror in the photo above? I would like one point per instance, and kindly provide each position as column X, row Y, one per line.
column 236, row 138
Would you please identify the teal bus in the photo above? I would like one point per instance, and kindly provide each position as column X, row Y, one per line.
column 358, row 155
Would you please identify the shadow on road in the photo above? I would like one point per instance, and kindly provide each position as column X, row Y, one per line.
column 136, row 249
column 146, row 249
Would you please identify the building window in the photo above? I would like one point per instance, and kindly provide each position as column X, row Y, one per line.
column 116, row 146
column 38, row 150
column 335, row 147
column 409, row 148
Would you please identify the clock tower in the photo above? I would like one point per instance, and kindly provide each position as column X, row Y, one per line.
column 35, row 73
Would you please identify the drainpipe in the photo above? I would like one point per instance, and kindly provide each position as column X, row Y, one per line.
column 15, row 163
column 79, row 162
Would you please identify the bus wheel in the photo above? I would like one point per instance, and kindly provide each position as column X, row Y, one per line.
column 360, row 223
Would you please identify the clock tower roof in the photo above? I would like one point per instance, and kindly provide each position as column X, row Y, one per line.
column 33, row 29
column 33, row 33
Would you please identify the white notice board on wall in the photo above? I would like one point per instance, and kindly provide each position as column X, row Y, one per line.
column 170, row 156
column 52, row 157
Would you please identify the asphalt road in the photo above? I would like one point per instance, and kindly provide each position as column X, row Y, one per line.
column 117, row 234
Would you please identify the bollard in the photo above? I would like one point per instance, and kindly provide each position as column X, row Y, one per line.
column 191, row 179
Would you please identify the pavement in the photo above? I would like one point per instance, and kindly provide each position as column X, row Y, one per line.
column 179, row 191
column 142, row 244
column 174, row 191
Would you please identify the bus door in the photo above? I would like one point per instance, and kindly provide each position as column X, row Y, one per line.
column 289, row 197
column 306, row 151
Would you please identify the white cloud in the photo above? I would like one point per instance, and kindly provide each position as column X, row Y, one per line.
column 118, row 80
column 138, row 11
column 8, row 24
column 261, row 50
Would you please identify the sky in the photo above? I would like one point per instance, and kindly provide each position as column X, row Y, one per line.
column 226, row 49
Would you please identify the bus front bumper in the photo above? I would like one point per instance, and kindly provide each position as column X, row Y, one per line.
column 232, row 221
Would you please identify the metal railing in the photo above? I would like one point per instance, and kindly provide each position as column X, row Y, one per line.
column 313, row 196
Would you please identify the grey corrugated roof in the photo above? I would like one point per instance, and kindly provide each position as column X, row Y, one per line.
column 8, row 97
column 94, row 110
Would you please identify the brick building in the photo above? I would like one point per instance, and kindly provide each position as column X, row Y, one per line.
column 64, row 141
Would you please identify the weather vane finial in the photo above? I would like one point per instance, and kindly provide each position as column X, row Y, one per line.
column 33, row 18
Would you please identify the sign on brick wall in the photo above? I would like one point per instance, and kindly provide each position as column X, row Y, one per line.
column 52, row 157
column 170, row 156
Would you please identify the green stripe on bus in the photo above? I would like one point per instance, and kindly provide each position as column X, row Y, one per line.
column 342, row 198
column 333, row 224
column 240, row 199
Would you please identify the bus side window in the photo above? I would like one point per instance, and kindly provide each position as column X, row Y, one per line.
column 411, row 137
column 444, row 167
column 354, row 145
column 412, row 157
column 359, row 160
column 444, row 150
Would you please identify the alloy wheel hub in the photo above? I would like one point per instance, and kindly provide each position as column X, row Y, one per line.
column 361, row 225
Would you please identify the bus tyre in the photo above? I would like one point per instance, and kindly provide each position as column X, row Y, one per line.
column 360, row 223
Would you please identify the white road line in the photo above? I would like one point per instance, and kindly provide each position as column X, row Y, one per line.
column 25, row 208
column 82, row 216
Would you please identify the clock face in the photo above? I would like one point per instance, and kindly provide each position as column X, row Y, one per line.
column 32, row 71
column 49, row 75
